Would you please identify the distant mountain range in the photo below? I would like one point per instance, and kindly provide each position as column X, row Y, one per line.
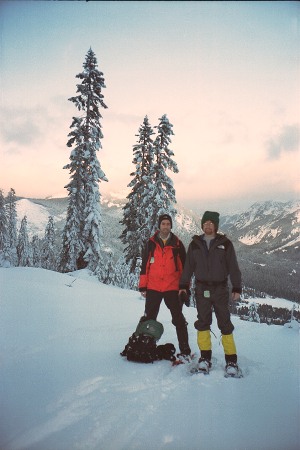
column 268, row 246
column 274, row 226
column 266, row 237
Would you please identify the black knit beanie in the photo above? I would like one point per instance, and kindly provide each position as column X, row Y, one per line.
column 164, row 217
column 212, row 216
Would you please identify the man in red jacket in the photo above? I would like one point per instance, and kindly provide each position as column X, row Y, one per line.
column 162, row 266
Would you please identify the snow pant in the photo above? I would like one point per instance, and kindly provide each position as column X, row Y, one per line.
column 214, row 297
column 173, row 303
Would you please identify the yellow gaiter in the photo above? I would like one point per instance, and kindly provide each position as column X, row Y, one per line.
column 228, row 344
column 204, row 340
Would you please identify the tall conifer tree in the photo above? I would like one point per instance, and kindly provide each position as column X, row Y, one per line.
column 138, row 208
column 11, row 213
column 3, row 223
column 163, row 188
column 48, row 258
column 83, row 229
column 4, row 244
column 23, row 247
column 36, row 251
column 152, row 189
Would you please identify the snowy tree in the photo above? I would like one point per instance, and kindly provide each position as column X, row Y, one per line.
column 36, row 251
column 3, row 223
column 48, row 257
column 152, row 190
column 133, row 279
column 163, row 190
column 4, row 244
column 83, row 230
column 292, row 321
column 23, row 246
column 121, row 274
column 11, row 214
column 72, row 251
column 105, row 271
column 253, row 315
column 193, row 291
column 138, row 209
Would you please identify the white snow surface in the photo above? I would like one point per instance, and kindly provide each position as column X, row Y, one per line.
column 64, row 385
column 36, row 214
column 275, row 302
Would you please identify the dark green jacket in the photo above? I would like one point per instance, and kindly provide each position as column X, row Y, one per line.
column 213, row 265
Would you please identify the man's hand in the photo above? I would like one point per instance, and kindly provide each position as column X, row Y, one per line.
column 143, row 294
column 235, row 296
column 184, row 297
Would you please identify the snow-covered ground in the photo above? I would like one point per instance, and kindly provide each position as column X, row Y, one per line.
column 37, row 216
column 275, row 302
column 64, row 385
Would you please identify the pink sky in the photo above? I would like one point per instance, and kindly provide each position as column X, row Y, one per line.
column 225, row 73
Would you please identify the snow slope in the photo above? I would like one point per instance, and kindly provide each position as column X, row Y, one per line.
column 37, row 216
column 64, row 385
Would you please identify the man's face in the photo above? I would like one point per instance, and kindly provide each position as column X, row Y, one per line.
column 165, row 227
column 209, row 228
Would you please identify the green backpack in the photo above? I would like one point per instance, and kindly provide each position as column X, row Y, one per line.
column 150, row 328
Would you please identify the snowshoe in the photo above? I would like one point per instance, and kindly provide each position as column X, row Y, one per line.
column 232, row 370
column 183, row 358
column 203, row 366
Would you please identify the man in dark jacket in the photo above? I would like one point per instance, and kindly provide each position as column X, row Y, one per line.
column 211, row 258
column 162, row 265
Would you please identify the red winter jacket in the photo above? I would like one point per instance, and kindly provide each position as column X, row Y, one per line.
column 162, row 265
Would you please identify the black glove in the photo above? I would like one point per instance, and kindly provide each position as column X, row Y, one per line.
column 185, row 297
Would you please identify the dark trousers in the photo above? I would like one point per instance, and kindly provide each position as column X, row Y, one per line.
column 173, row 303
column 218, row 300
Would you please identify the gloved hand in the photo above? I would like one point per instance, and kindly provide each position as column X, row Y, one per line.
column 184, row 296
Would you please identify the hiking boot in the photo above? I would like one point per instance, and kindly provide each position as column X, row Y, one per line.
column 204, row 365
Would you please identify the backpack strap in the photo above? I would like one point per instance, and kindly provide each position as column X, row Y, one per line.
column 178, row 251
column 147, row 255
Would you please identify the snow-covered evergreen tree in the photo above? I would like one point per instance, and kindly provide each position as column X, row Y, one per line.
column 36, row 251
column 253, row 315
column 83, row 229
column 152, row 190
column 193, row 291
column 138, row 209
column 163, row 189
column 23, row 246
column 11, row 214
column 105, row 271
column 48, row 257
column 72, row 247
column 133, row 279
column 4, row 244
column 121, row 274
column 3, row 223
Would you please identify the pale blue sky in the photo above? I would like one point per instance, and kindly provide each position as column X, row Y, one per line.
column 225, row 73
